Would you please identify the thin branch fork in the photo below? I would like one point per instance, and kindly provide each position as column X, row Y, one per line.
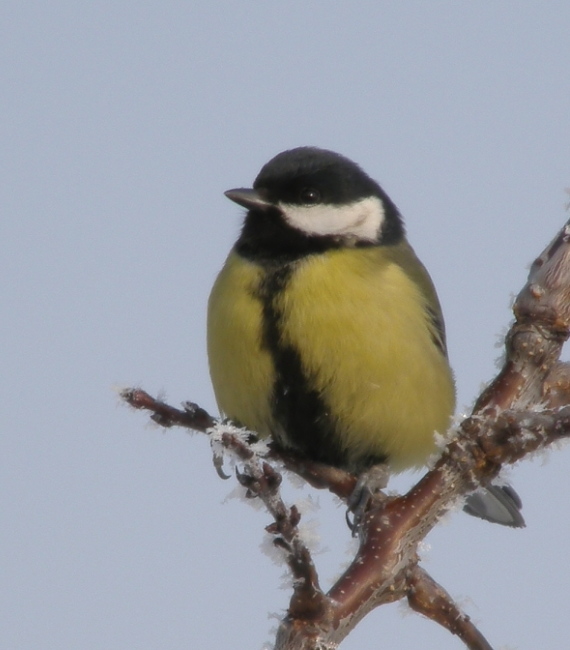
column 523, row 409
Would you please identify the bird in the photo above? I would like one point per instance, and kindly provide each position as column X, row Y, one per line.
column 324, row 330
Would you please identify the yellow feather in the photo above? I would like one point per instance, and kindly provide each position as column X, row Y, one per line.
column 359, row 322
column 241, row 369
column 365, row 338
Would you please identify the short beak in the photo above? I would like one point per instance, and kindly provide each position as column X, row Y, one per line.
column 250, row 199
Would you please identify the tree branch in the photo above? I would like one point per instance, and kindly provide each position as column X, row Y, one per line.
column 525, row 408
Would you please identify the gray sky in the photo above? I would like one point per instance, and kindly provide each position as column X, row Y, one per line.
column 121, row 125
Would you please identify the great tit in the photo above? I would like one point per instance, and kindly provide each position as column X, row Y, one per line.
column 325, row 331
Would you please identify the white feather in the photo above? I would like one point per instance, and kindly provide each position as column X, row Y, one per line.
column 362, row 219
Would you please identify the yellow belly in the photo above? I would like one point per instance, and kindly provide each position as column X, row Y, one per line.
column 359, row 323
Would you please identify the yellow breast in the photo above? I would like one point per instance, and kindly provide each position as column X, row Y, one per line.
column 368, row 345
column 359, row 323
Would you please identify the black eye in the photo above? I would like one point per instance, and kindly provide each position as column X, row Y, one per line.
column 309, row 196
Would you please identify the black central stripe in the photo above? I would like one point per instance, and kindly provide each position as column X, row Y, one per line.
column 305, row 422
column 297, row 407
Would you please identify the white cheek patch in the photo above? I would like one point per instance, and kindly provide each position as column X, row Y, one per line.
column 362, row 219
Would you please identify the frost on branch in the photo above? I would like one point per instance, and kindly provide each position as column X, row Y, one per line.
column 525, row 408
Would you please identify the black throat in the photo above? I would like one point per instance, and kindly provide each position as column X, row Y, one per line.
column 266, row 239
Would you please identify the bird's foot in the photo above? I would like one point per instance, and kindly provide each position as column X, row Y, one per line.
column 367, row 493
